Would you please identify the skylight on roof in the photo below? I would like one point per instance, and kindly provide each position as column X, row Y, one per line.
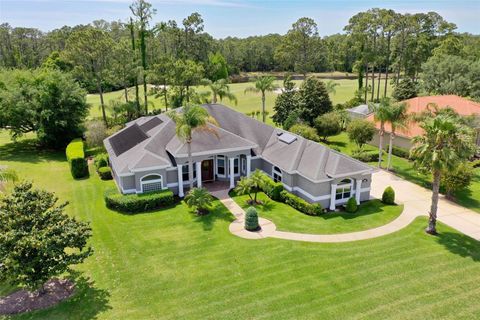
column 286, row 137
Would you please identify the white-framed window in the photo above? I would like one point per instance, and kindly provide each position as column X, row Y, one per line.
column 344, row 189
column 236, row 166
column 185, row 171
column 221, row 166
column 151, row 182
column 276, row 174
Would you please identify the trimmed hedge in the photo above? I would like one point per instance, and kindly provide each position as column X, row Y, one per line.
column 134, row 203
column 251, row 219
column 76, row 158
column 272, row 189
column 399, row 152
column 311, row 209
column 388, row 196
column 101, row 160
column 105, row 173
column 351, row 205
column 365, row 156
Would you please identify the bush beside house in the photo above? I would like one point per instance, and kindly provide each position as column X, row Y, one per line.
column 134, row 203
column 311, row 209
column 388, row 196
column 105, row 173
column 76, row 158
column 365, row 156
column 351, row 205
column 272, row 189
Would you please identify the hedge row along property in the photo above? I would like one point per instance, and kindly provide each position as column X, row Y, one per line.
column 76, row 159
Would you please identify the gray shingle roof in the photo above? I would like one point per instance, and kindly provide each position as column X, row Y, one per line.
column 362, row 109
column 236, row 131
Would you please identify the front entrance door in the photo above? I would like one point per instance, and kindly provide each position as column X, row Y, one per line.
column 207, row 170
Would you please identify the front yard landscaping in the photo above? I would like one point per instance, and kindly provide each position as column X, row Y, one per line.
column 469, row 198
column 172, row 264
column 370, row 214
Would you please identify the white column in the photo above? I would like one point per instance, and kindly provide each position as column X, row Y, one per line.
column 249, row 161
column 199, row 174
column 332, row 196
column 358, row 190
column 232, row 178
column 180, row 180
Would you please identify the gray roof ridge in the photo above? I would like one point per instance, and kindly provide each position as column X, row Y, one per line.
column 322, row 163
column 236, row 135
column 300, row 151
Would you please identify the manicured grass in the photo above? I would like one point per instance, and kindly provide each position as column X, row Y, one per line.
column 370, row 214
column 247, row 102
column 170, row 264
column 469, row 198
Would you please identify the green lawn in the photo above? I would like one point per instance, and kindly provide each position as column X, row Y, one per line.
column 247, row 102
column 370, row 214
column 404, row 168
column 172, row 265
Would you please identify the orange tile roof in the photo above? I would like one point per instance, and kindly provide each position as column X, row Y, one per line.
column 461, row 105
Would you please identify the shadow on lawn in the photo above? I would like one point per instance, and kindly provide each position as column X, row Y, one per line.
column 460, row 244
column 218, row 212
column 28, row 151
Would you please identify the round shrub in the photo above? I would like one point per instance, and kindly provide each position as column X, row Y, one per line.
column 251, row 219
column 105, row 173
column 101, row 160
column 352, row 205
column 388, row 196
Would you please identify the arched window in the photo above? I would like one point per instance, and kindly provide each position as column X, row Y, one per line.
column 344, row 189
column 151, row 182
column 277, row 174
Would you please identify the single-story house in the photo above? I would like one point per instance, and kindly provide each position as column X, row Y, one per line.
column 361, row 111
column 417, row 105
column 147, row 155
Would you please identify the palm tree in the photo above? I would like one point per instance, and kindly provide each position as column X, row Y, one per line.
column 219, row 89
column 192, row 118
column 331, row 85
column 382, row 114
column 263, row 84
column 446, row 143
column 398, row 119
column 249, row 185
column 200, row 199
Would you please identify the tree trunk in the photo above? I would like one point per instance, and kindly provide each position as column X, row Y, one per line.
column 165, row 94
column 432, row 221
column 135, row 77
column 102, row 103
column 145, row 91
column 190, row 163
column 373, row 83
column 378, row 85
column 387, row 66
column 380, row 143
column 366, row 82
column 390, row 147
column 263, row 106
column 214, row 99
column 125, row 88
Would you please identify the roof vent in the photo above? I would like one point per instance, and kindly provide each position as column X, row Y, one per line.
column 279, row 133
column 286, row 137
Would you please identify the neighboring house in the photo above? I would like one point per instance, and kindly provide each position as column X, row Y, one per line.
column 147, row 156
column 417, row 105
column 362, row 111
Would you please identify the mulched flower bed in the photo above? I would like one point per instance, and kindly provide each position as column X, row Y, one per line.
column 55, row 291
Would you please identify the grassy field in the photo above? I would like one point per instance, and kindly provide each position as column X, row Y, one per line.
column 370, row 214
column 404, row 168
column 171, row 264
column 247, row 102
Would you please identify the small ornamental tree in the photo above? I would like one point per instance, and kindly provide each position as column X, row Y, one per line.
column 360, row 131
column 351, row 205
column 329, row 124
column 305, row 131
column 456, row 179
column 405, row 89
column 37, row 240
column 251, row 219
column 249, row 185
column 200, row 199
column 313, row 100
column 388, row 196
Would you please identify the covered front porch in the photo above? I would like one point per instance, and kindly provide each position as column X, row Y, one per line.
column 221, row 167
